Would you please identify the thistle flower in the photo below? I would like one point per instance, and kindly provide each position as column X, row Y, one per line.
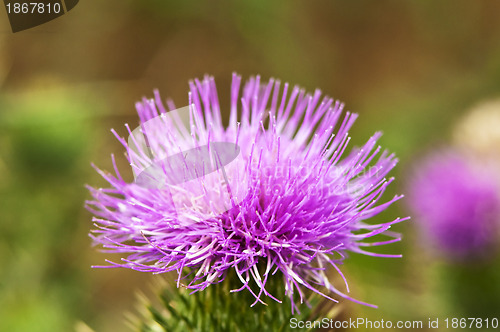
column 287, row 205
column 456, row 203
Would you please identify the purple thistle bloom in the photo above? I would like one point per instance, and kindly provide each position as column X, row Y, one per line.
column 295, row 206
column 456, row 201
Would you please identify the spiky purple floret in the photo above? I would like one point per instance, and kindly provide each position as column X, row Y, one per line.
column 455, row 199
column 303, row 207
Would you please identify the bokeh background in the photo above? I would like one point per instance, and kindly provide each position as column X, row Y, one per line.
column 409, row 68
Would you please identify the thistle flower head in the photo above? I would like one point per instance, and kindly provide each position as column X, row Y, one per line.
column 455, row 200
column 273, row 193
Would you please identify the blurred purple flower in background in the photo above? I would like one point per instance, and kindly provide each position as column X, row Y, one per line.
column 455, row 200
column 289, row 204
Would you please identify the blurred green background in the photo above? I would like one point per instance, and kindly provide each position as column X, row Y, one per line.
column 409, row 68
